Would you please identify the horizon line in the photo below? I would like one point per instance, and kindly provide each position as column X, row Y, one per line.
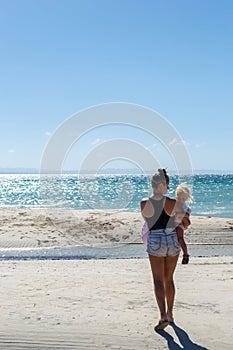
column 37, row 171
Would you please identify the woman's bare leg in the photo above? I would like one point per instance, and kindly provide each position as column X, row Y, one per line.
column 169, row 268
column 158, row 269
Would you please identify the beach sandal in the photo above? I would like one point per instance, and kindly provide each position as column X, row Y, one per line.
column 185, row 259
column 161, row 325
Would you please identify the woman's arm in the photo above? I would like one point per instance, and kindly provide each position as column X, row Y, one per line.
column 147, row 209
column 183, row 217
column 186, row 221
column 170, row 206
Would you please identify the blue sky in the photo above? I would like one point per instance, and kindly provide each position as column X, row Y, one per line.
column 60, row 57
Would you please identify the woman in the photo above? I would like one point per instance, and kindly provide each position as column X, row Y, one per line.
column 162, row 246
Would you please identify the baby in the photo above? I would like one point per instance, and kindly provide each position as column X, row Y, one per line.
column 183, row 195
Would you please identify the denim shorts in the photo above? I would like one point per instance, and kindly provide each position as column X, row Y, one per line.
column 163, row 243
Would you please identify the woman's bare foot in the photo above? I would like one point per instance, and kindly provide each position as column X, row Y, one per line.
column 161, row 325
column 170, row 318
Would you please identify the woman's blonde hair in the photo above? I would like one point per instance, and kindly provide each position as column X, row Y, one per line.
column 184, row 189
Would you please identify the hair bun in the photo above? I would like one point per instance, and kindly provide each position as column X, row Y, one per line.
column 162, row 172
column 160, row 177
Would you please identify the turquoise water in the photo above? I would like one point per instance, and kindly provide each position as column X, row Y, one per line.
column 213, row 194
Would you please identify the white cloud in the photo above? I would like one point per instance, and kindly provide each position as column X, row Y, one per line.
column 96, row 141
column 11, row 151
column 199, row 145
column 48, row 133
column 154, row 146
column 175, row 142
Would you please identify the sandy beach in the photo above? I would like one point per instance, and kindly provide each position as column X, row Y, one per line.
column 108, row 303
column 45, row 228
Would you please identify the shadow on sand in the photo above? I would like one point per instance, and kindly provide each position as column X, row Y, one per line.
column 183, row 337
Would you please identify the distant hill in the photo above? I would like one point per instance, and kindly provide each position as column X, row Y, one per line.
column 19, row 171
column 108, row 171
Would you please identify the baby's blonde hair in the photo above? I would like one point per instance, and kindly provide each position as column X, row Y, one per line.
column 184, row 189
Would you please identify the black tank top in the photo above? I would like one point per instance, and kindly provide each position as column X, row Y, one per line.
column 160, row 219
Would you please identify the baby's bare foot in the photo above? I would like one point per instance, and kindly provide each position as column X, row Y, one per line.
column 185, row 259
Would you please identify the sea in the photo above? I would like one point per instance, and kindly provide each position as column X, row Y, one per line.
column 212, row 196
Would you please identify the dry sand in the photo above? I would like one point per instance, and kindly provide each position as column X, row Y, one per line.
column 108, row 304
column 41, row 228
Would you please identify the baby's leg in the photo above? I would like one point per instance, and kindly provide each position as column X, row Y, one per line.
column 180, row 235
